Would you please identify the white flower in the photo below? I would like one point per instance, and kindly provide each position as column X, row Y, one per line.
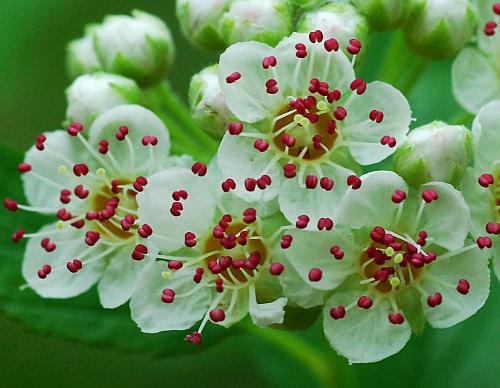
column 304, row 116
column 402, row 262
column 217, row 255
column 439, row 28
column 81, row 57
column 475, row 76
column 89, row 179
column 481, row 183
column 435, row 152
column 208, row 107
column 92, row 94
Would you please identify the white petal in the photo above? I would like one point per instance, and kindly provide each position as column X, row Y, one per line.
column 486, row 136
column 456, row 307
column 312, row 250
column 475, row 80
column 155, row 201
column 371, row 204
column 152, row 315
column 119, row 280
column 239, row 160
column 363, row 135
column 43, row 185
column 296, row 200
column 140, row 122
column 61, row 283
column 265, row 314
column 363, row 335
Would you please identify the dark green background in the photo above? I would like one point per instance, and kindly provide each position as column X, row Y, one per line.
column 33, row 36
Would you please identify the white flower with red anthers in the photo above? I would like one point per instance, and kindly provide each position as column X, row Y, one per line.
column 481, row 186
column 402, row 263
column 216, row 260
column 304, row 114
column 89, row 179
column 475, row 70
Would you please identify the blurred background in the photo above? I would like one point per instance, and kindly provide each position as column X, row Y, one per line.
column 33, row 37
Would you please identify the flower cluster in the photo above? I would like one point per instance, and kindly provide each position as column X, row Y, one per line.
column 286, row 215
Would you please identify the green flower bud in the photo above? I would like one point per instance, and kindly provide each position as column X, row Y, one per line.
column 435, row 152
column 309, row 4
column 264, row 21
column 208, row 107
column 92, row 94
column 383, row 15
column 138, row 46
column 440, row 28
column 81, row 57
column 341, row 21
column 200, row 22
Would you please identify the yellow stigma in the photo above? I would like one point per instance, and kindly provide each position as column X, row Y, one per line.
column 321, row 105
column 398, row 258
column 297, row 118
column 62, row 169
column 166, row 274
column 395, row 281
column 60, row 224
column 389, row 251
column 100, row 171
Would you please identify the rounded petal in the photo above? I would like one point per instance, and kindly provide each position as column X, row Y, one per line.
column 61, row 283
column 371, row 204
column 119, row 279
column 155, row 201
column 475, row 79
column 295, row 199
column 455, row 307
column 265, row 314
column 247, row 97
column 312, row 250
column 152, row 315
column 43, row 184
column 363, row 135
column 363, row 335
column 130, row 154
column 486, row 136
column 239, row 160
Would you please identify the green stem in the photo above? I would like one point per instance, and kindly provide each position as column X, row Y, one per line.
column 187, row 137
column 317, row 362
column 416, row 72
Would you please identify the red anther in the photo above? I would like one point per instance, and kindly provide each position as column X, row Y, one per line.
column 381, row 275
column 261, row 145
column 337, row 252
column 434, row 300
column 199, row 168
column 286, row 241
column 323, row 89
column 340, row 113
column 235, row 128
column 359, row 85
column 10, row 204
column 430, row 257
column 217, row 315
column 74, row 128
column 398, row 196
column 302, row 221
column 388, row 141
column 337, row 312
column 325, row 223
column 376, row 115
column 276, row 268
column 268, row 62
column 264, row 181
column 300, row 46
column 365, row 302
column 496, row 8
column 316, row 36
column 492, row 228
column 429, row 195
column 103, row 147
column 310, row 102
column 194, row 338
column 332, row 127
column 114, row 186
column 290, row 170
column 47, row 269
column 489, row 28
column 81, row 192
column 485, row 180
column 49, row 246
column 41, row 138
column 129, row 219
column 91, row 237
column 377, row 234
column 41, row 274
column 122, row 132
column 422, row 234
column 331, row 45
column 178, row 195
column 249, row 215
column 18, row 235
column 313, row 88
column 333, row 96
column 228, row 184
column 484, row 242
column 23, row 167
column 396, row 318
column 189, row 239
column 311, row 181
column 233, row 77
column 176, row 208
column 326, row 183
column 74, row 266
column 63, row 215
column 315, row 275
column 316, row 139
column 354, row 182
column 80, row 169
column 354, row 46
column 92, row 215
column 145, row 231
column 300, row 53
column 250, row 184
column 198, row 275
column 463, row 286
column 218, row 232
column 225, row 262
column 243, row 238
column 175, row 264
column 272, row 86
column 44, row 241
column 288, row 140
column 167, row 295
